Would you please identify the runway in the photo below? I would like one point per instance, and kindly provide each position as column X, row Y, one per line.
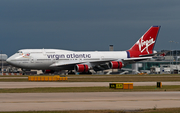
column 85, row 100
column 88, row 101
column 73, row 84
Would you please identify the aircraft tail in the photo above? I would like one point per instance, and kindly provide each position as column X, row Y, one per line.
column 145, row 44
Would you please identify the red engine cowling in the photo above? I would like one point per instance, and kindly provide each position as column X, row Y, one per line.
column 81, row 68
column 48, row 71
column 115, row 65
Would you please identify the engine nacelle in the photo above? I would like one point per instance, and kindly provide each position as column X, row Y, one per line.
column 48, row 71
column 116, row 65
column 81, row 68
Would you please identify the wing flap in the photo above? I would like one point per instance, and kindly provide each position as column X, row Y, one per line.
column 74, row 62
column 137, row 59
column 65, row 63
column 97, row 62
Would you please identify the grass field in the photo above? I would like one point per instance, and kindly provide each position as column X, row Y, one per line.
column 88, row 89
column 103, row 78
column 99, row 78
column 124, row 79
column 93, row 75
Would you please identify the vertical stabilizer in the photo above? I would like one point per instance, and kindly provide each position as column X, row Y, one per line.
column 145, row 44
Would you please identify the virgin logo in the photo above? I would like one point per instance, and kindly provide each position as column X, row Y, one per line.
column 26, row 55
column 144, row 45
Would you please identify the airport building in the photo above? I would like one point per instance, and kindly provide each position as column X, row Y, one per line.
column 167, row 64
column 4, row 65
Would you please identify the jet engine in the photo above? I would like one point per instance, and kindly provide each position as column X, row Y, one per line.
column 116, row 65
column 81, row 68
column 48, row 71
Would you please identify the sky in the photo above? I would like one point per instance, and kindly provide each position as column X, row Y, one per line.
column 86, row 25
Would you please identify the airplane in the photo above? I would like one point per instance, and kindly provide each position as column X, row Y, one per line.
column 56, row 59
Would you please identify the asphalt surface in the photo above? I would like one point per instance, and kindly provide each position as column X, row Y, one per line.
column 73, row 84
column 85, row 100
column 88, row 101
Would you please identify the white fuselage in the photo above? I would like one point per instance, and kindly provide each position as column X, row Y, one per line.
column 48, row 58
column 57, row 59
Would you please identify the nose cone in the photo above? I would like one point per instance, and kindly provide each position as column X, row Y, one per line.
column 12, row 60
column 9, row 60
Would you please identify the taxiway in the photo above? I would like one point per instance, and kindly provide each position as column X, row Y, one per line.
column 73, row 84
column 88, row 101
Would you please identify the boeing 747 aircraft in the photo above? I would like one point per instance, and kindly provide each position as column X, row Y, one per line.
column 57, row 59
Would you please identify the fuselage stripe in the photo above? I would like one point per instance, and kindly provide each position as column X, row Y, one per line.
column 128, row 54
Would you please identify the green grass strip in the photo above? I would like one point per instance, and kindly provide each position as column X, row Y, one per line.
column 88, row 89
column 108, row 79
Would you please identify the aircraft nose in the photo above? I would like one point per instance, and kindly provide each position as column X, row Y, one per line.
column 8, row 60
column 11, row 59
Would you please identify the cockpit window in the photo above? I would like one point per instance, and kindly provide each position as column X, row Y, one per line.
column 19, row 52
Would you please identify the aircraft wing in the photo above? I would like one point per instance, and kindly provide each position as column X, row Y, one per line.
column 133, row 60
column 153, row 54
column 65, row 63
column 95, row 63
column 74, row 62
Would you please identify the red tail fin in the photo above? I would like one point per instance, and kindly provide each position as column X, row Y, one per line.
column 145, row 44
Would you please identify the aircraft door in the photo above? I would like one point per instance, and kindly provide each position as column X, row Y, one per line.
column 32, row 60
column 102, row 57
column 44, row 52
